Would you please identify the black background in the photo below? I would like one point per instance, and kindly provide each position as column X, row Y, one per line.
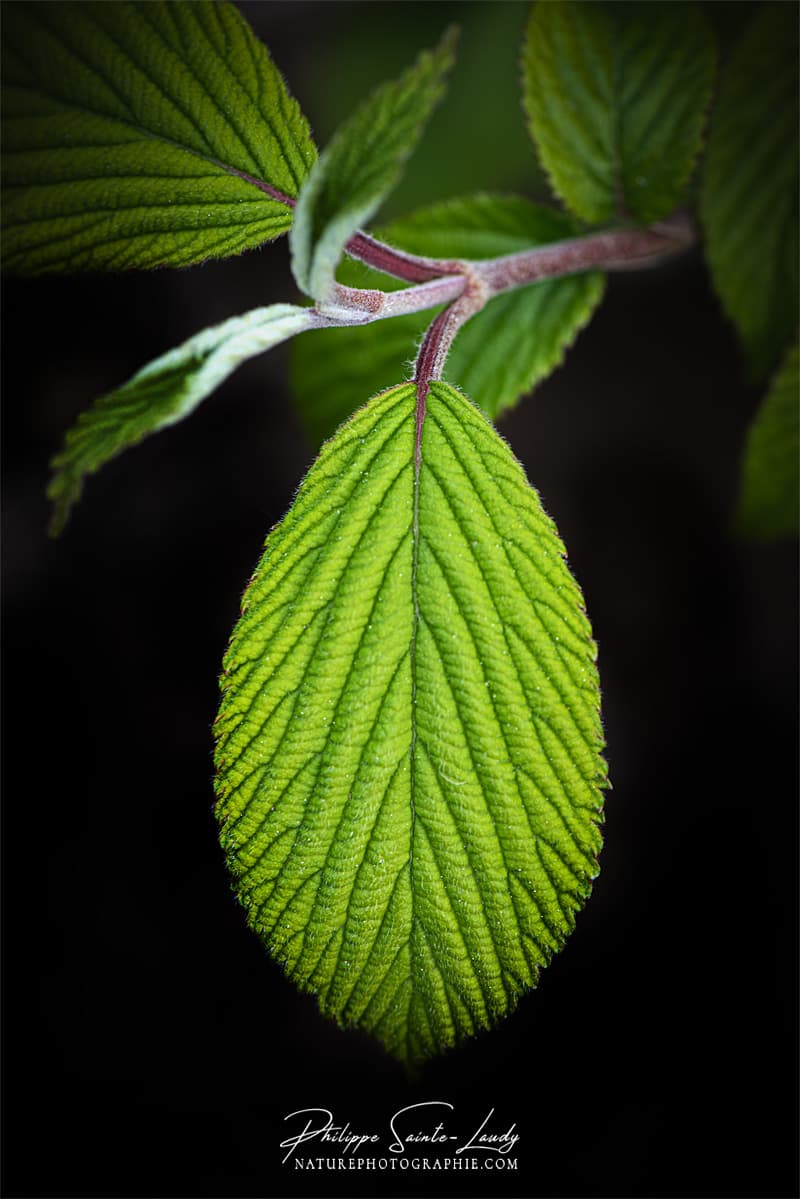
column 151, row 1047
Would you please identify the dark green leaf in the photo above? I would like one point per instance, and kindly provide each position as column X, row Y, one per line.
column 616, row 97
column 749, row 192
column 770, row 501
column 141, row 135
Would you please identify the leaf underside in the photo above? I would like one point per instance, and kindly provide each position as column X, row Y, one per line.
column 142, row 135
column 162, row 393
column 408, row 745
column 770, row 501
column 616, row 97
column 749, row 196
column 498, row 356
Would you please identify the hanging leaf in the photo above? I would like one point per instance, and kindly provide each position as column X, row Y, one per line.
column 408, row 745
column 162, row 393
column 361, row 166
column 142, row 135
column 769, row 505
column 749, row 196
column 616, row 96
column 499, row 355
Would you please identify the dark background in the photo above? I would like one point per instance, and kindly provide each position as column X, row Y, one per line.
column 151, row 1046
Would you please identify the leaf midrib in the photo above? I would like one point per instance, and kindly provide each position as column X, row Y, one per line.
column 417, row 464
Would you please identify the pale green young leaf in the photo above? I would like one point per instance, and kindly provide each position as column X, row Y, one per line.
column 749, row 190
column 409, row 769
column 361, row 166
column 499, row 356
column 769, row 505
column 616, row 96
column 142, row 135
column 162, row 393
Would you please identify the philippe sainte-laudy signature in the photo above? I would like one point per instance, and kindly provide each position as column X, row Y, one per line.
column 409, row 1129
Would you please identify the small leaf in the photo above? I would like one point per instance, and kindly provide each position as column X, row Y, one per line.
column 749, row 195
column 408, row 745
column 770, row 501
column 361, row 166
column 162, row 393
column 142, row 135
column 616, row 97
column 499, row 356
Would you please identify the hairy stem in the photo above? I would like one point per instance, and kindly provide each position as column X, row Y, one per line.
column 358, row 306
column 437, row 342
column 466, row 286
column 618, row 249
column 621, row 249
column 441, row 280
column 397, row 262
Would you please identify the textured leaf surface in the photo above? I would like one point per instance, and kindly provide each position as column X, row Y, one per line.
column 502, row 353
column 616, row 97
column 749, row 197
column 361, row 166
column 163, row 392
column 409, row 747
column 770, row 499
column 141, row 135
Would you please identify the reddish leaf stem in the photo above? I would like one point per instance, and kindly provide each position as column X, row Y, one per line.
column 613, row 250
column 437, row 342
column 620, row 249
column 385, row 258
column 482, row 280
column 468, row 286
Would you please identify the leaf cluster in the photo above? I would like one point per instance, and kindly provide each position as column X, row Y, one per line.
column 409, row 749
column 163, row 134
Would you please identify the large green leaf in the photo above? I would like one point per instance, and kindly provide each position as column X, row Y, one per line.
column 141, row 135
column 497, row 357
column 616, row 97
column 162, row 393
column 749, row 196
column 770, row 501
column 408, row 746
column 360, row 166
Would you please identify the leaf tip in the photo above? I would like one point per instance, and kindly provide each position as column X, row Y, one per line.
column 64, row 491
column 448, row 43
